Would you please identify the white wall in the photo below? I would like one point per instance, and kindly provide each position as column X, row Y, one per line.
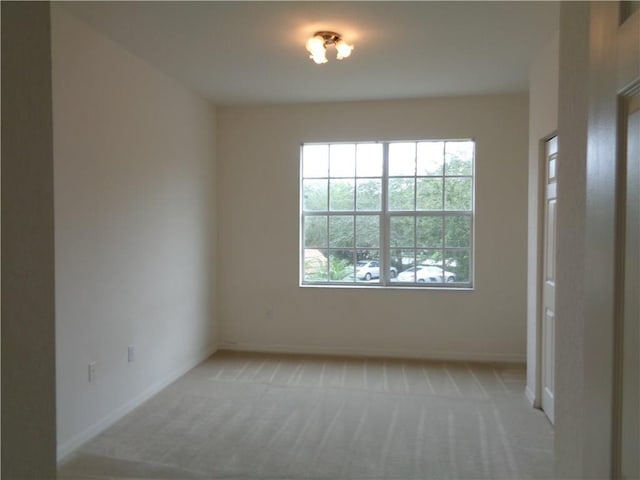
column 261, row 305
column 134, row 159
column 571, row 350
column 543, row 121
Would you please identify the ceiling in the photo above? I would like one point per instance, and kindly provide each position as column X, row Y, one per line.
column 254, row 52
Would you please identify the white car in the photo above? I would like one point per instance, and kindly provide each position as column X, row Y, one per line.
column 426, row 273
column 368, row 269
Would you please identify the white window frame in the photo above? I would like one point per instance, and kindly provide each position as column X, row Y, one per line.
column 385, row 214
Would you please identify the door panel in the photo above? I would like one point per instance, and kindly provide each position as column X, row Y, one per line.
column 549, row 278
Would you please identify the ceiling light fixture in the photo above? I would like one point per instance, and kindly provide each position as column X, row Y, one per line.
column 317, row 46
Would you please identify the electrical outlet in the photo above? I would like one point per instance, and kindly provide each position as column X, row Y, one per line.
column 268, row 314
column 131, row 353
column 92, row 371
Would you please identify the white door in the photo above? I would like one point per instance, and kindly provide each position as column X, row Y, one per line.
column 549, row 276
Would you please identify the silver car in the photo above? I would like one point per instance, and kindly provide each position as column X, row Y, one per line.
column 427, row 273
column 368, row 269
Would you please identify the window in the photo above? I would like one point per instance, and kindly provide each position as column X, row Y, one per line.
column 387, row 213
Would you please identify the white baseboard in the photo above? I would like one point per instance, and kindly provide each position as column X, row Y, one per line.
column 68, row 447
column 531, row 398
column 534, row 401
column 374, row 352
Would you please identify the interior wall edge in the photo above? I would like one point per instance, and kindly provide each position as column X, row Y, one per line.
column 543, row 123
column 28, row 289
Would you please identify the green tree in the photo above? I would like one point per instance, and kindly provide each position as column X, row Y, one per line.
column 339, row 268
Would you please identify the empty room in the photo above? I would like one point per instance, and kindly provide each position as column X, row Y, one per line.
column 320, row 240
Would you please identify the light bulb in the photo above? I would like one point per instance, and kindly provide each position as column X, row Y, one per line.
column 319, row 57
column 315, row 45
column 317, row 50
column 344, row 49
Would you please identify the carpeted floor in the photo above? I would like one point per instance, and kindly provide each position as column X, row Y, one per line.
column 259, row 416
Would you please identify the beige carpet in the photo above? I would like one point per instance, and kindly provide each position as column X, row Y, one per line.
column 255, row 416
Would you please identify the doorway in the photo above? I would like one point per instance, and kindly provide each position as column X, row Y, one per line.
column 548, row 287
column 629, row 276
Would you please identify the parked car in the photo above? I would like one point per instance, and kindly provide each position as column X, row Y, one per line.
column 368, row 269
column 426, row 273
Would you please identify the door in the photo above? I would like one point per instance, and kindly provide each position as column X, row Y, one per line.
column 630, row 311
column 549, row 276
column 627, row 391
column 627, row 388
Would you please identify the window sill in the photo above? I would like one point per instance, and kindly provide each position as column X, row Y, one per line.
column 445, row 288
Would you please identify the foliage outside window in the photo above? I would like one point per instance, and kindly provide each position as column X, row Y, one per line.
column 387, row 213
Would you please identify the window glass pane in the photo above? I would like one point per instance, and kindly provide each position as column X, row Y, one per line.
column 459, row 158
column 430, row 158
column 369, row 160
column 369, row 194
column 315, row 265
column 551, row 174
column 341, row 194
column 368, row 269
column 429, row 232
column 315, row 232
column 314, row 194
column 458, row 194
column 402, row 231
column 368, row 231
column 341, row 265
column 348, row 272
column 342, row 160
column 418, row 274
column 402, row 159
column 341, row 231
column 429, row 274
column 459, row 262
column 401, row 260
column 430, row 256
column 429, row 194
column 368, row 254
column 315, row 161
column 458, row 231
column 401, row 193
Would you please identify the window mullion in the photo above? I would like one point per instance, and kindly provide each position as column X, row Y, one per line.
column 415, row 206
column 354, row 252
column 444, row 206
column 444, row 175
column 328, row 272
column 385, row 248
column 444, row 237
